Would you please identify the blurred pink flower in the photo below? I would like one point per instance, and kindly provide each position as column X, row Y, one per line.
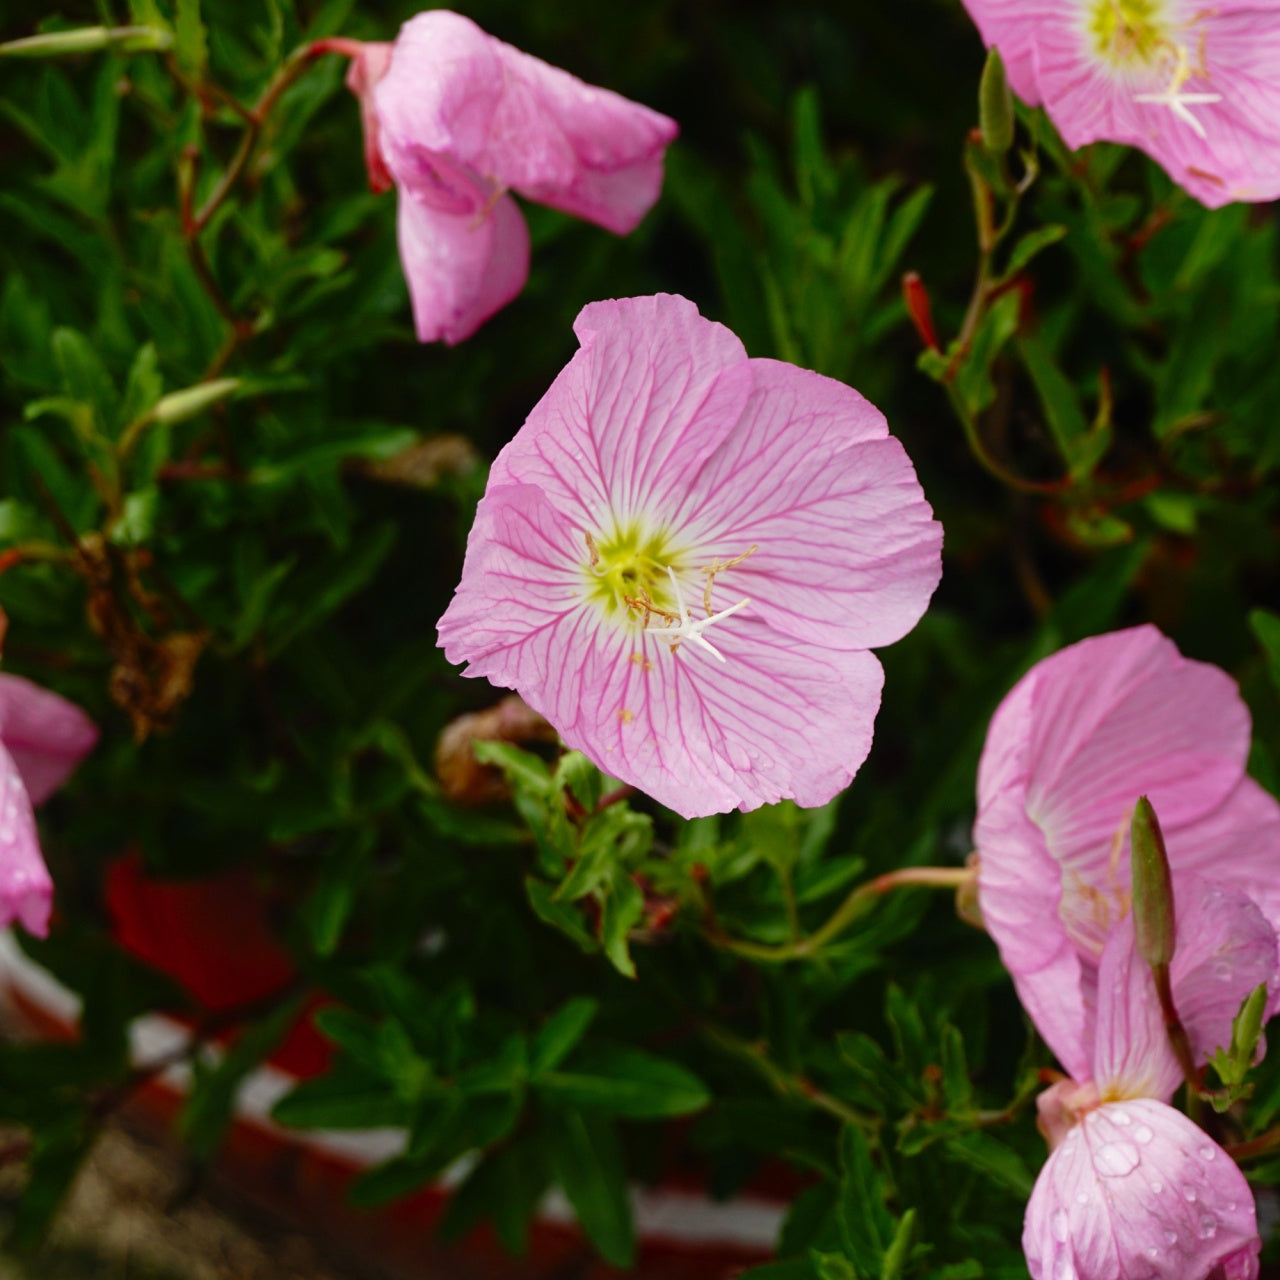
column 1131, row 1186
column 1070, row 749
column 42, row 739
column 1195, row 86
column 457, row 119
column 683, row 557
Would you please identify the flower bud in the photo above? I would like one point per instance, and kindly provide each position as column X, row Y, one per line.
column 1154, row 924
column 180, row 405
column 916, row 298
column 995, row 106
column 52, row 44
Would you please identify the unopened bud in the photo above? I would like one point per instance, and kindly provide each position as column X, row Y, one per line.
column 52, row 44
column 995, row 106
column 180, row 405
column 1154, row 923
column 916, row 298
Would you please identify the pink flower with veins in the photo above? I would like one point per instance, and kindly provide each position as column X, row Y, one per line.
column 1132, row 1187
column 1194, row 85
column 42, row 739
column 684, row 556
column 456, row 119
column 1070, row 749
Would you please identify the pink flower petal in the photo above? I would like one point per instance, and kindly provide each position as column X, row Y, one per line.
column 1010, row 26
column 1226, row 948
column 1070, row 749
column 651, row 393
column 46, row 735
column 1136, row 1189
column 849, row 553
column 453, row 91
column 460, row 267
column 366, row 69
column 1132, row 1056
column 26, row 892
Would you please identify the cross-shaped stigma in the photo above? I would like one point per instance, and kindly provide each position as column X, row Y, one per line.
column 685, row 628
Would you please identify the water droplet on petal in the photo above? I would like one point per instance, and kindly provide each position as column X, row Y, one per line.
column 1171, row 1237
column 1121, row 1118
column 1144, row 1135
column 1208, row 1152
column 1157, row 1186
column 1152, row 1252
column 1230, row 1206
column 1189, row 1194
column 1208, row 1227
column 1116, row 1159
column 1222, row 971
column 1060, row 1225
column 1082, row 1197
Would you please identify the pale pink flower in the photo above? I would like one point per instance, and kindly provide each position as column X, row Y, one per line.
column 457, row 119
column 1071, row 748
column 1132, row 1187
column 683, row 557
column 1195, row 86
column 42, row 739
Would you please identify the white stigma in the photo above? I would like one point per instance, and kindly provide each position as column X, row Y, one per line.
column 688, row 629
column 1179, row 102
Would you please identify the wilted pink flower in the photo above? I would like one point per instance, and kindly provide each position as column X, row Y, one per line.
column 1081, row 736
column 457, row 119
column 1195, row 86
column 683, row 557
column 1132, row 1187
column 42, row 739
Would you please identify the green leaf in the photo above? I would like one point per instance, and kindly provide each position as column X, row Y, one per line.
column 624, row 1082
column 865, row 1224
column 84, row 376
column 586, row 1158
column 622, row 910
column 895, row 1256
column 345, row 1097
column 560, row 1033
column 1080, row 446
column 1031, row 245
column 522, row 769
column 991, row 1157
column 190, row 44
column 1266, row 627
column 559, row 915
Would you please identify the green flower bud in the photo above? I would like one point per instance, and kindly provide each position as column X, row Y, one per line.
column 180, row 405
column 1154, row 923
column 52, row 44
column 995, row 106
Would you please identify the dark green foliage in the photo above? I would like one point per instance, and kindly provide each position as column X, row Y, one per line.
column 233, row 497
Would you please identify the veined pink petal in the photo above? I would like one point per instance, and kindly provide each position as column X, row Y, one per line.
column 1226, row 948
column 1010, row 26
column 454, row 91
column 26, row 892
column 1069, row 751
column 653, row 390
column 1200, row 92
column 46, row 735
column 1132, row 1056
column 460, row 267
column 1136, row 1189
column 848, row 551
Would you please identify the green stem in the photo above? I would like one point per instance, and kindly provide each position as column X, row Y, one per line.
column 858, row 901
column 1263, row 1145
column 784, row 1083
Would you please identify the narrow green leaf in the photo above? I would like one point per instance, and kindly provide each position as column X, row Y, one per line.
column 560, row 1033
column 624, row 1082
column 587, row 1160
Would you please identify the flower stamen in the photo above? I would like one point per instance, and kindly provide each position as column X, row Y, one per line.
column 682, row 627
column 1173, row 97
column 719, row 566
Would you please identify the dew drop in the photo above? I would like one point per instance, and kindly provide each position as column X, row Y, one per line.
column 1222, row 971
column 1171, row 1237
column 1157, row 1187
column 1142, row 1134
column 1116, row 1159
column 1208, row 1152
column 1060, row 1225
column 1121, row 1118
column 1152, row 1252
column 1082, row 1197
column 1208, row 1226
column 1189, row 1194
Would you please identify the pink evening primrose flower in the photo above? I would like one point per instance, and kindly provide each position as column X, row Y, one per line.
column 456, row 119
column 1195, row 86
column 1070, row 749
column 42, row 739
column 1132, row 1187
column 684, row 556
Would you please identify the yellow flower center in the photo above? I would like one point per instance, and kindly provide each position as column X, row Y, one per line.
column 1128, row 32
column 628, row 565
